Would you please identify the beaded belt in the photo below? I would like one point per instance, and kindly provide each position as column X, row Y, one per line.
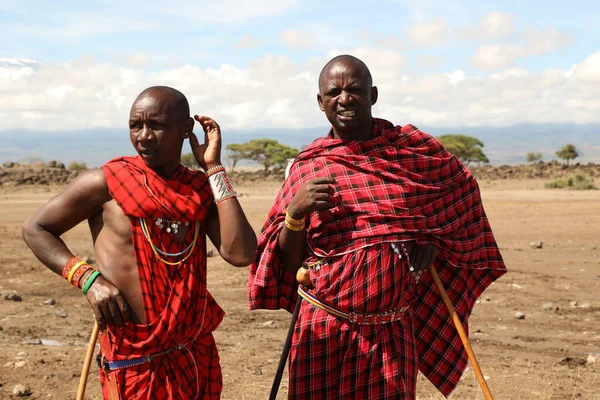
column 354, row 318
column 106, row 365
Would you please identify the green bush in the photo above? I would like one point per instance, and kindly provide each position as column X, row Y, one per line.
column 75, row 166
column 572, row 182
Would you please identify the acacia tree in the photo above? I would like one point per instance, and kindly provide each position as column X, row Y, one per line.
column 568, row 152
column 466, row 148
column 534, row 157
column 235, row 153
column 189, row 161
column 268, row 152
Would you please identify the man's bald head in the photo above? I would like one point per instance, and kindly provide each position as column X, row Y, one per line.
column 348, row 61
column 176, row 101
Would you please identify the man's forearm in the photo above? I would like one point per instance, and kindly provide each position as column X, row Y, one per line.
column 48, row 248
column 238, row 240
column 291, row 248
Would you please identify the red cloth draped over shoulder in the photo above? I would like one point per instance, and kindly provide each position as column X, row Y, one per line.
column 178, row 307
column 400, row 185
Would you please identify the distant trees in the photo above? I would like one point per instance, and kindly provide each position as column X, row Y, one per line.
column 266, row 152
column 189, row 161
column 75, row 166
column 568, row 152
column 534, row 157
column 467, row 148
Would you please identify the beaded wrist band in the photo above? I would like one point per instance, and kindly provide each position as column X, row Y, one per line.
column 74, row 270
column 76, row 278
column 69, row 265
column 90, row 280
column 220, row 184
column 215, row 169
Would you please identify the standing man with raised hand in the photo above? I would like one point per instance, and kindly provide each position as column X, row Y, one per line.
column 363, row 214
column 149, row 217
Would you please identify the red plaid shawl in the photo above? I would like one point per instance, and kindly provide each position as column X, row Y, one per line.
column 400, row 185
column 177, row 305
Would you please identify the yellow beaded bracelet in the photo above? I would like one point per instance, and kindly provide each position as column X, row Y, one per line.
column 73, row 270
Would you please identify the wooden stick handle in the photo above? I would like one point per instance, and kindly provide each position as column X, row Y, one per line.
column 285, row 352
column 461, row 332
column 87, row 362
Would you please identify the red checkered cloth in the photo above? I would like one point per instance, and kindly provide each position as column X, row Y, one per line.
column 333, row 359
column 177, row 305
column 400, row 185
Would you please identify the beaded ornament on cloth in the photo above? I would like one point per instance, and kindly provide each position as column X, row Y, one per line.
column 396, row 247
column 172, row 226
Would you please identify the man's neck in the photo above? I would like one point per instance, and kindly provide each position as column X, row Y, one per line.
column 166, row 172
column 360, row 134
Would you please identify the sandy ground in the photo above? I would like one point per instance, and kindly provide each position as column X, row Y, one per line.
column 540, row 357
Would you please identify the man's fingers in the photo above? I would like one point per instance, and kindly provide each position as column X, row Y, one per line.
column 115, row 313
column 124, row 308
column 194, row 140
column 323, row 180
column 107, row 315
column 99, row 318
column 206, row 122
column 324, row 189
column 324, row 205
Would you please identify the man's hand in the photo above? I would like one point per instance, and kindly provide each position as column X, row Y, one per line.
column 314, row 194
column 421, row 257
column 109, row 305
column 208, row 154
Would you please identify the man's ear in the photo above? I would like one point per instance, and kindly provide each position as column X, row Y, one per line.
column 188, row 128
column 320, row 101
column 374, row 94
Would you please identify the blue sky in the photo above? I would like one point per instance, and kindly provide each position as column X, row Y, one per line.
column 67, row 65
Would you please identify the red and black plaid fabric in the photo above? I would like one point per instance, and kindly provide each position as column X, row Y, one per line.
column 332, row 359
column 400, row 185
column 177, row 305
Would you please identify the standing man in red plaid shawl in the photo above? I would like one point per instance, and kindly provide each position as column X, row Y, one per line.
column 149, row 217
column 364, row 212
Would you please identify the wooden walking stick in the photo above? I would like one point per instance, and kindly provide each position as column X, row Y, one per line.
column 87, row 362
column 285, row 352
column 461, row 332
column 303, row 277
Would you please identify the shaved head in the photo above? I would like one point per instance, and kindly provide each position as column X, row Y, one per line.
column 346, row 60
column 177, row 102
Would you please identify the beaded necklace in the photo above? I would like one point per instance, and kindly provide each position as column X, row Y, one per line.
column 158, row 252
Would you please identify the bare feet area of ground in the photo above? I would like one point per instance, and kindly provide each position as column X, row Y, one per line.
column 536, row 331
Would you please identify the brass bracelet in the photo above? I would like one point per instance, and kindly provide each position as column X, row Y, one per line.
column 291, row 220
column 294, row 228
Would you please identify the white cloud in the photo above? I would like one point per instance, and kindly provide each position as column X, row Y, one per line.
column 536, row 41
column 495, row 56
column 588, row 71
column 428, row 61
column 247, row 42
column 497, row 24
column 544, row 40
column 222, row 11
column 138, row 60
column 277, row 92
column 294, row 39
column 430, row 33
column 493, row 25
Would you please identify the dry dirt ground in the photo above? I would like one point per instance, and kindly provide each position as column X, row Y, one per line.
column 540, row 357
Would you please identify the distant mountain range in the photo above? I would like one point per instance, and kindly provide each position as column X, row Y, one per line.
column 503, row 145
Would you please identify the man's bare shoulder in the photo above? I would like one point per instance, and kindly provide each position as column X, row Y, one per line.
column 89, row 186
